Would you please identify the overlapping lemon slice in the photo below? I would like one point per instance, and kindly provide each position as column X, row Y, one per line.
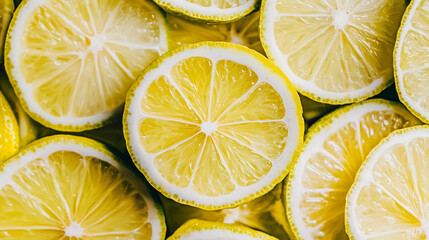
column 6, row 10
column 213, row 124
column 210, row 10
column 334, row 52
column 197, row 229
column 71, row 62
column 334, row 149
column 9, row 130
column 389, row 199
column 65, row 187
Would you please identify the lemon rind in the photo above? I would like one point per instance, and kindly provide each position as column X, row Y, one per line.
column 326, row 125
column 238, row 48
column 92, row 148
column 15, row 126
column 362, row 175
column 23, row 92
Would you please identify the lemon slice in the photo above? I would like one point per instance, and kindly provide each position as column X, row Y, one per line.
column 9, row 130
column 334, row 52
column 265, row 214
column 410, row 62
column 197, row 229
column 244, row 31
column 65, row 187
column 334, row 149
column 389, row 198
column 6, row 10
column 210, row 10
column 71, row 62
column 213, row 125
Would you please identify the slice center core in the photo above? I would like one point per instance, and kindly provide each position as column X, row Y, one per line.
column 341, row 19
column 208, row 127
column 74, row 230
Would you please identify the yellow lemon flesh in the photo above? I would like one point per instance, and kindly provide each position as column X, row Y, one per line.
column 334, row 149
column 9, row 130
column 6, row 10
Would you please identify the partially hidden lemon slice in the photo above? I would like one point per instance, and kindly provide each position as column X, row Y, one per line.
column 197, row 229
column 71, row 62
column 210, row 10
column 6, row 9
column 266, row 214
column 410, row 61
column 213, row 124
column 65, row 187
column 9, row 130
column 334, row 149
column 244, row 31
column 334, row 52
column 389, row 199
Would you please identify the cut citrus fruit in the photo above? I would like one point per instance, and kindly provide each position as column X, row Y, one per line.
column 65, row 187
column 71, row 62
column 9, row 131
column 244, row 31
column 210, row 10
column 213, row 125
column 410, row 62
column 334, row 149
column 389, row 197
column 6, row 10
column 334, row 52
column 265, row 214
column 197, row 229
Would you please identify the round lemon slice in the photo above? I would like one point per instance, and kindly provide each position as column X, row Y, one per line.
column 9, row 130
column 410, row 61
column 71, row 62
column 334, row 52
column 6, row 10
column 334, row 149
column 65, row 187
column 213, row 125
column 244, row 32
column 210, row 10
column 389, row 198
column 197, row 229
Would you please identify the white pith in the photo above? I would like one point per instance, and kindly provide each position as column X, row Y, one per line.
column 314, row 144
column 96, row 44
column 214, row 54
column 400, row 73
column 25, row 157
column 365, row 177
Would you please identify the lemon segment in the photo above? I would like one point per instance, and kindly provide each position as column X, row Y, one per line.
column 198, row 229
column 334, row 149
column 334, row 52
column 72, row 62
column 411, row 65
column 214, row 11
column 67, row 187
column 227, row 119
column 244, row 31
column 389, row 198
column 9, row 130
column 6, row 10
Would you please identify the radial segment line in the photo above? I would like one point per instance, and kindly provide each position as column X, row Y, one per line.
column 386, row 233
column 91, row 18
column 147, row 115
column 198, row 163
column 99, row 81
column 357, row 50
column 115, row 58
column 177, row 144
column 213, row 74
column 415, row 69
column 134, row 45
column 58, row 189
column 107, row 215
column 222, row 160
column 27, row 228
column 333, row 158
column 412, row 165
column 238, row 100
column 245, row 122
column 304, row 15
column 245, row 145
column 68, row 21
column 108, row 233
column 310, row 40
column 54, row 74
column 76, row 86
column 110, row 19
column 372, row 33
column 324, row 57
column 392, row 197
column 188, row 102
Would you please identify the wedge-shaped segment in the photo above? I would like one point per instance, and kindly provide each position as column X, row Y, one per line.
column 410, row 61
column 334, row 52
column 244, row 31
column 198, row 229
column 334, row 149
column 214, row 11
column 213, row 125
column 389, row 199
column 9, row 130
column 71, row 62
column 65, row 187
